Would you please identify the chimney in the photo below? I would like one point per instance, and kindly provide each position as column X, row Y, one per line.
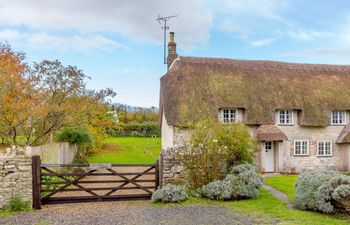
column 172, row 55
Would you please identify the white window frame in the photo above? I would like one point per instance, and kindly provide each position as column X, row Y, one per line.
column 231, row 116
column 301, row 150
column 285, row 117
column 338, row 120
column 323, row 142
column 268, row 145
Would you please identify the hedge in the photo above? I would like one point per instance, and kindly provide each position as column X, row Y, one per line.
column 135, row 130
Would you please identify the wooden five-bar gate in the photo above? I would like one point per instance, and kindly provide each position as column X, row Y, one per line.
column 69, row 183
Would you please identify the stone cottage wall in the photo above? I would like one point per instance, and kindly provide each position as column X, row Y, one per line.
column 15, row 176
column 286, row 161
column 170, row 167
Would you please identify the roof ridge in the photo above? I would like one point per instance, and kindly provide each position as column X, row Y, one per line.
column 213, row 59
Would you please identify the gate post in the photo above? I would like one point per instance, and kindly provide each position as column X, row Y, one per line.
column 36, row 173
column 157, row 174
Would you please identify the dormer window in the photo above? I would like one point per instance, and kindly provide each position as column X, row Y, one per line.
column 285, row 117
column 228, row 115
column 338, row 118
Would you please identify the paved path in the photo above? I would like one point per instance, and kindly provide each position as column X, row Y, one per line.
column 280, row 195
column 132, row 213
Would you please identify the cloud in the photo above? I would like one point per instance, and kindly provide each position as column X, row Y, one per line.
column 234, row 28
column 344, row 32
column 263, row 42
column 76, row 43
column 133, row 19
column 320, row 52
column 307, row 35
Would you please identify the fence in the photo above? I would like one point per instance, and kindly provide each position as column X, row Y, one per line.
column 63, row 152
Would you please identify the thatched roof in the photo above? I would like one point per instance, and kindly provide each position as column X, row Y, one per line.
column 195, row 88
column 270, row 132
column 344, row 136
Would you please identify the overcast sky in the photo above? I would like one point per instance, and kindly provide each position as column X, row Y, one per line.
column 118, row 43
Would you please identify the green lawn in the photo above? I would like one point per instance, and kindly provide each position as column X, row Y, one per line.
column 284, row 184
column 128, row 150
column 266, row 206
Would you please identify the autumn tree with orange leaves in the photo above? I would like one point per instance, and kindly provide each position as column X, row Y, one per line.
column 37, row 101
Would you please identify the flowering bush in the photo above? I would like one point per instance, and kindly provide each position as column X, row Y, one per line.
column 322, row 190
column 212, row 148
column 170, row 193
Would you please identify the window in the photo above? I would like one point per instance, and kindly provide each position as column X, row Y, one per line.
column 324, row 148
column 285, row 117
column 338, row 117
column 268, row 146
column 301, row 147
column 228, row 116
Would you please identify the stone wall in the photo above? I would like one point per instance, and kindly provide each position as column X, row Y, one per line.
column 15, row 176
column 169, row 166
column 285, row 160
column 311, row 161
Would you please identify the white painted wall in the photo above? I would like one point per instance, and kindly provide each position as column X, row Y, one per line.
column 62, row 153
column 167, row 134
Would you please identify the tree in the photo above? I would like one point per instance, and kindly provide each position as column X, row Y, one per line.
column 64, row 100
column 17, row 94
column 36, row 102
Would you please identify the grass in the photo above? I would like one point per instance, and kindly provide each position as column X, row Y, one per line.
column 267, row 207
column 4, row 213
column 284, row 184
column 128, row 150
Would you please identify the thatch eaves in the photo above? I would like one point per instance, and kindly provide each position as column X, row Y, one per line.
column 270, row 132
column 344, row 136
column 195, row 88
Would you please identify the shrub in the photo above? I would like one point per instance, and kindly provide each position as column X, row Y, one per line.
column 307, row 185
column 322, row 190
column 170, row 193
column 75, row 135
column 129, row 129
column 212, row 148
column 136, row 134
column 217, row 190
column 333, row 195
column 16, row 204
column 342, row 195
column 243, row 182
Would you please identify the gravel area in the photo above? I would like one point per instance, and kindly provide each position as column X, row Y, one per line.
column 131, row 213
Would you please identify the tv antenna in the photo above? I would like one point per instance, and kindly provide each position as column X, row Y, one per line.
column 163, row 21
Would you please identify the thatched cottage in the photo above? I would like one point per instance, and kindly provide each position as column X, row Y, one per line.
column 299, row 113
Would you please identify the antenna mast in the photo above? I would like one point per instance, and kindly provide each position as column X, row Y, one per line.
column 163, row 21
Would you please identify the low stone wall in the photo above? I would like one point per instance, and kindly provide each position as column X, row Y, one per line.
column 169, row 166
column 15, row 176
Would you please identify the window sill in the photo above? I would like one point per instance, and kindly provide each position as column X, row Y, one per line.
column 301, row 155
column 324, row 156
column 282, row 124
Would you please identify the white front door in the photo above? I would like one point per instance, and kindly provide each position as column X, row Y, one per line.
column 269, row 157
